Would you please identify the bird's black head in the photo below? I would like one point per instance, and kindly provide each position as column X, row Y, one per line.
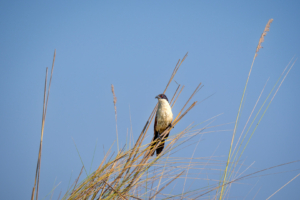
column 162, row 96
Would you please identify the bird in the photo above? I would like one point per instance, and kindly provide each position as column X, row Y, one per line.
column 163, row 120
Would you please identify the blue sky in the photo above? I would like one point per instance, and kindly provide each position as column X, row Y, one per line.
column 135, row 46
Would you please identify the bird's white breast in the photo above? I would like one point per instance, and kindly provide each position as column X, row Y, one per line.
column 164, row 115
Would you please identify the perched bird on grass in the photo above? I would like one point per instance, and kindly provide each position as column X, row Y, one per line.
column 163, row 120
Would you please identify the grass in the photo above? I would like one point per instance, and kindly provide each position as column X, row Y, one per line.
column 234, row 156
column 132, row 173
column 35, row 189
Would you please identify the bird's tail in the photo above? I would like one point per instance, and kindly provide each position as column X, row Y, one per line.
column 161, row 146
column 154, row 142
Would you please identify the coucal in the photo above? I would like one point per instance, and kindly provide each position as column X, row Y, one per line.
column 163, row 120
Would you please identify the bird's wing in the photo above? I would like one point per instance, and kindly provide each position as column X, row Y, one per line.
column 155, row 122
column 162, row 144
column 154, row 137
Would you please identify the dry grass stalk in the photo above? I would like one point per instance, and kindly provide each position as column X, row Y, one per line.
column 174, row 94
column 261, row 40
column 166, row 185
column 45, row 105
column 115, row 190
column 76, row 181
column 175, row 71
column 283, row 186
column 177, row 96
column 115, row 101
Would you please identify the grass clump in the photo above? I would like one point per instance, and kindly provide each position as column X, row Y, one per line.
column 129, row 173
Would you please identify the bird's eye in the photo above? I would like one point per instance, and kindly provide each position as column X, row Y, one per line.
column 161, row 96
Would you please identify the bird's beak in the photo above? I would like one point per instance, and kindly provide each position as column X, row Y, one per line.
column 157, row 97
